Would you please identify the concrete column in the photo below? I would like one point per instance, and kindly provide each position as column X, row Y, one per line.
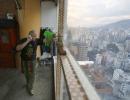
column 60, row 7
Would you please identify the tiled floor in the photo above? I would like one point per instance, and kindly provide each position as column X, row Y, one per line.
column 12, row 85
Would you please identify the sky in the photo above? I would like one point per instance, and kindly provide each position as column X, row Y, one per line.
column 89, row 13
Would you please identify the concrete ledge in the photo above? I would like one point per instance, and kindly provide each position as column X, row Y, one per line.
column 75, row 89
column 83, row 79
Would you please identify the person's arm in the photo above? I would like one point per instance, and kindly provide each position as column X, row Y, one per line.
column 21, row 46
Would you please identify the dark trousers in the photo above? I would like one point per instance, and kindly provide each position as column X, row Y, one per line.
column 29, row 72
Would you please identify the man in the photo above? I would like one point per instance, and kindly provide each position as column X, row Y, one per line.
column 28, row 47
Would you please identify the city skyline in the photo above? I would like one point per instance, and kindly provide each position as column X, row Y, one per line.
column 108, row 50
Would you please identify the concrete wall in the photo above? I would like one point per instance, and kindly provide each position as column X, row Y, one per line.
column 29, row 17
column 49, row 15
column 7, row 6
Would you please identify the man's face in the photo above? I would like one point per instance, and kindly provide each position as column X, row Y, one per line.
column 34, row 35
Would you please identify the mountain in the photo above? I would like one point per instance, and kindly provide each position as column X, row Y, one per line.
column 123, row 25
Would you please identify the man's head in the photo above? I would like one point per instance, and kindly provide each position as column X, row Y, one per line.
column 33, row 34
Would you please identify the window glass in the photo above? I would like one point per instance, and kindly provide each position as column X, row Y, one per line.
column 98, row 37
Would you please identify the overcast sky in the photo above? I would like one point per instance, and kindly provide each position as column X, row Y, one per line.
column 97, row 12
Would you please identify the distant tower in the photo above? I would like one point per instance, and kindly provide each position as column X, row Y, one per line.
column 83, row 47
column 128, row 43
column 82, row 51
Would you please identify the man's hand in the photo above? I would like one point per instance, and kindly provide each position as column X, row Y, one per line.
column 21, row 46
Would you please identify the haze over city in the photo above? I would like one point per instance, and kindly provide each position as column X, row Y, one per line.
column 89, row 13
